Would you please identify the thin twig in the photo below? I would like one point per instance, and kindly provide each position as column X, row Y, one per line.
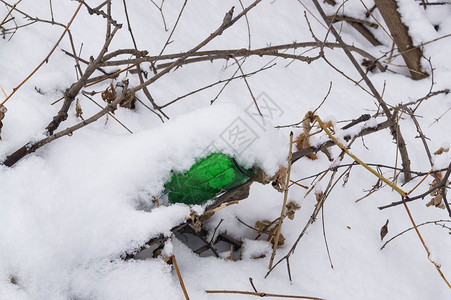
column 174, row 261
column 30, row 148
column 173, row 28
column 408, row 229
column 213, row 35
column 111, row 115
column 248, row 87
column 429, row 155
column 397, row 189
column 261, row 294
column 394, row 131
column 285, row 197
column 128, row 24
column 9, row 12
column 46, row 59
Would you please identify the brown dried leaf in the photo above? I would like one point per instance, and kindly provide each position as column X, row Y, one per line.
column 319, row 196
column 437, row 198
column 312, row 156
column 109, row 94
column 300, row 144
column 261, row 226
column 369, row 64
column 197, row 225
column 329, row 125
column 306, row 124
column 441, row 151
column 292, row 207
column 384, row 230
column 129, row 101
column 272, row 236
column 437, row 202
column 258, row 175
column 279, row 181
column 78, row 110
column 328, row 154
column 3, row 110
column 303, row 143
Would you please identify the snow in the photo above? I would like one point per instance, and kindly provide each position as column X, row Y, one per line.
column 72, row 210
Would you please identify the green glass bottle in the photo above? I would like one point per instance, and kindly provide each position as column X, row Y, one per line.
column 205, row 179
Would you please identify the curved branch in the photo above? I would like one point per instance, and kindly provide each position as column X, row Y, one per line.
column 30, row 148
column 223, row 54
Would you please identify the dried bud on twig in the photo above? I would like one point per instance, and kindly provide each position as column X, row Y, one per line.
column 228, row 17
column 384, row 230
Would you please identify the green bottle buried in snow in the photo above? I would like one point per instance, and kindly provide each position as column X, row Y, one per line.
column 206, row 178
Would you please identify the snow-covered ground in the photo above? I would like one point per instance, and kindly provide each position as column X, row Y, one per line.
column 70, row 211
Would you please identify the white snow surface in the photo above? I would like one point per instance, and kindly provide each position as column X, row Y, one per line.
column 72, row 210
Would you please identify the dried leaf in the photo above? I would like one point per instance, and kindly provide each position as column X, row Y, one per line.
column 369, row 64
column 303, row 138
column 258, row 175
column 279, row 181
column 261, row 226
column 109, row 94
column 319, row 196
column 197, row 225
column 303, row 143
column 384, row 230
column 78, row 110
column 129, row 101
column 306, row 124
column 272, row 236
column 3, row 110
column 292, row 207
column 441, row 151
column 328, row 154
column 437, row 197
column 329, row 125
column 258, row 256
column 437, row 202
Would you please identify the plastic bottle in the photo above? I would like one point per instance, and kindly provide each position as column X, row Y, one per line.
column 205, row 179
